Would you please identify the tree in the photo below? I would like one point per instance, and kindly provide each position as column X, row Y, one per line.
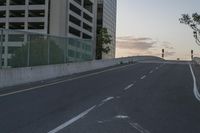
column 103, row 41
column 194, row 23
column 38, row 54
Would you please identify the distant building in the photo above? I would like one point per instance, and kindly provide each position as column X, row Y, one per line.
column 106, row 17
column 72, row 18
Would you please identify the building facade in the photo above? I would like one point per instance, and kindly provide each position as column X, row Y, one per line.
column 71, row 18
column 106, row 17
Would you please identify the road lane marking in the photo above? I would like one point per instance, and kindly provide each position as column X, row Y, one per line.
column 151, row 72
column 157, row 68
column 139, row 128
column 66, row 124
column 63, row 81
column 143, row 77
column 195, row 89
column 105, row 100
column 129, row 86
column 121, row 117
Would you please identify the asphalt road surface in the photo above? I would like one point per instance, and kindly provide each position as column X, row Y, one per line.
column 145, row 97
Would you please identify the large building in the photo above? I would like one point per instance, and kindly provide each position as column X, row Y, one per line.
column 106, row 17
column 71, row 18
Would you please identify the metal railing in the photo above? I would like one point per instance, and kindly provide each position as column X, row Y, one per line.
column 26, row 49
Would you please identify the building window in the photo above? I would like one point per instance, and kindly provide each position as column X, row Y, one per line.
column 2, row 2
column 16, row 25
column 2, row 63
column 75, row 9
column 15, row 38
column 3, row 37
column 87, row 17
column 17, row 2
column 88, row 5
column 17, row 13
column 78, row 1
column 36, row 13
column 85, row 36
column 74, row 31
column 36, row 25
column 74, row 20
column 87, row 27
column 36, row 2
column 2, row 25
column 2, row 14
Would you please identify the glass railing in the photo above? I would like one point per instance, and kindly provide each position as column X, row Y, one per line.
column 26, row 49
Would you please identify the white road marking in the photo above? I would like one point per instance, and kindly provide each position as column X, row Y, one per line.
column 143, row 77
column 66, row 124
column 121, row 117
column 151, row 72
column 62, row 81
column 157, row 68
column 139, row 128
column 129, row 86
column 195, row 89
column 105, row 100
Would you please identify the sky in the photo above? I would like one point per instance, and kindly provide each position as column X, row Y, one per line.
column 145, row 27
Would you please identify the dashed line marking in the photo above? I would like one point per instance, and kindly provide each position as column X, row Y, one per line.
column 139, row 128
column 105, row 100
column 143, row 77
column 151, row 72
column 128, row 87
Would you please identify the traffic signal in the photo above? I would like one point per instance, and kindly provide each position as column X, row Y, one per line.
column 163, row 53
column 192, row 54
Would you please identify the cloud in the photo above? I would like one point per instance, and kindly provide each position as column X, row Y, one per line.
column 131, row 46
column 128, row 42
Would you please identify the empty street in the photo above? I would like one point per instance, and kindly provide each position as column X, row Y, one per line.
column 143, row 97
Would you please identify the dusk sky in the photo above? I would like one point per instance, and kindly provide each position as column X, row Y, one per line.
column 144, row 27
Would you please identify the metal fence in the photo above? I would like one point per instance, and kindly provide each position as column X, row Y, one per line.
column 26, row 49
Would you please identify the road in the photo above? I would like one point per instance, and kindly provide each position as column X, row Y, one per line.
column 145, row 97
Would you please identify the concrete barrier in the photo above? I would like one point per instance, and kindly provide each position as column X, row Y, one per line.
column 17, row 76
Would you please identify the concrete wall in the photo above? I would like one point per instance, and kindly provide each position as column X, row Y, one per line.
column 17, row 76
